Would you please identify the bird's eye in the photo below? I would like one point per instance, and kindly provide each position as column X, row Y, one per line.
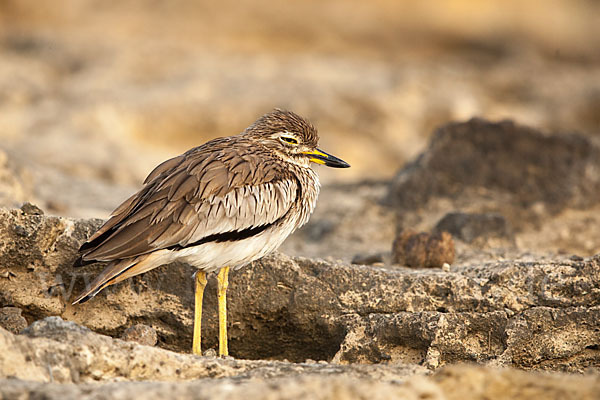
column 289, row 139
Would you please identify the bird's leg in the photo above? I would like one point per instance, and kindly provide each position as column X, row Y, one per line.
column 223, row 280
column 199, row 293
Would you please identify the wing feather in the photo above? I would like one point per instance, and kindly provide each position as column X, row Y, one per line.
column 193, row 196
column 164, row 167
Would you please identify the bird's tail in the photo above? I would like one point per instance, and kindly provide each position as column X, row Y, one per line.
column 116, row 272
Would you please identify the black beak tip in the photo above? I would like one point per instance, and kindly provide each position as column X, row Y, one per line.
column 330, row 160
column 340, row 164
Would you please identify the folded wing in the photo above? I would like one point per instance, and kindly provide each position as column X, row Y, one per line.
column 196, row 197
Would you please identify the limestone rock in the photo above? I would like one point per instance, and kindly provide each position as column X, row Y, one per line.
column 55, row 359
column 54, row 350
column 310, row 387
column 12, row 320
column 524, row 313
column 140, row 333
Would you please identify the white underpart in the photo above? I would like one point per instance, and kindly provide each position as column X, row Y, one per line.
column 213, row 256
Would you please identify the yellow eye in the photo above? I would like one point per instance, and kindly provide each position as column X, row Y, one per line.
column 289, row 139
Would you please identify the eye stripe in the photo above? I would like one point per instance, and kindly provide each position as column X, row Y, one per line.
column 289, row 139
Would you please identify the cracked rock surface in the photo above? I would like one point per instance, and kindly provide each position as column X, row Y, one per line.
column 52, row 352
column 531, row 314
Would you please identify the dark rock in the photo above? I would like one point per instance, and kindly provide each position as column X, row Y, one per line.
column 423, row 250
column 469, row 227
column 30, row 209
column 367, row 259
column 318, row 230
column 12, row 320
column 502, row 167
column 56, row 328
column 142, row 334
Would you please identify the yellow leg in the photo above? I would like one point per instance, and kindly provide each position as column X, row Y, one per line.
column 223, row 280
column 199, row 293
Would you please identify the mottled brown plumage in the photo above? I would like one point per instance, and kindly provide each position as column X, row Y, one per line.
column 225, row 203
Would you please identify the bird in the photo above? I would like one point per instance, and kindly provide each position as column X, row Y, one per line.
column 218, row 206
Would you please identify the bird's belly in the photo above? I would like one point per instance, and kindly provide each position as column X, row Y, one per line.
column 235, row 254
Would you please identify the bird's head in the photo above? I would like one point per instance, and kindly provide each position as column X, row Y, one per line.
column 292, row 137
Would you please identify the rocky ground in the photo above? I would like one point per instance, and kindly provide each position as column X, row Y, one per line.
column 353, row 327
column 94, row 94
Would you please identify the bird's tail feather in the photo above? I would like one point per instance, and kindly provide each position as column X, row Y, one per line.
column 115, row 273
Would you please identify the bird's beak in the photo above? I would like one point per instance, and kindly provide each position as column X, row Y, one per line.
column 320, row 157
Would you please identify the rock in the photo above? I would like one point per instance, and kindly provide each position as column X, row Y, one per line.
column 344, row 225
column 55, row 359
column 423, row 250
column 52, row 352
column 368, row 259
column 313, row 386
column 210, row 353
column 7, row 274
column 142, row 334
column 31, row 209
column 39, row 251
column 468, row 382
column 516, row 312
column 549, row 197
column 59, row 351
column 469, row 227
column 502, row 158
column 12, row 320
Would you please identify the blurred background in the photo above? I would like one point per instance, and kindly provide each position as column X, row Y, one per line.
column 94, row 94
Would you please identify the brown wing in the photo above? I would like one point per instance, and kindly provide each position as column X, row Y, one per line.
column 201, row 195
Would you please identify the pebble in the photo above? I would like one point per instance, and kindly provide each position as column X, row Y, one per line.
column 142, row 334
column 368, row 259
column 12, row 320
column 423, row 250
column 31, row 209
column 210, row 353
